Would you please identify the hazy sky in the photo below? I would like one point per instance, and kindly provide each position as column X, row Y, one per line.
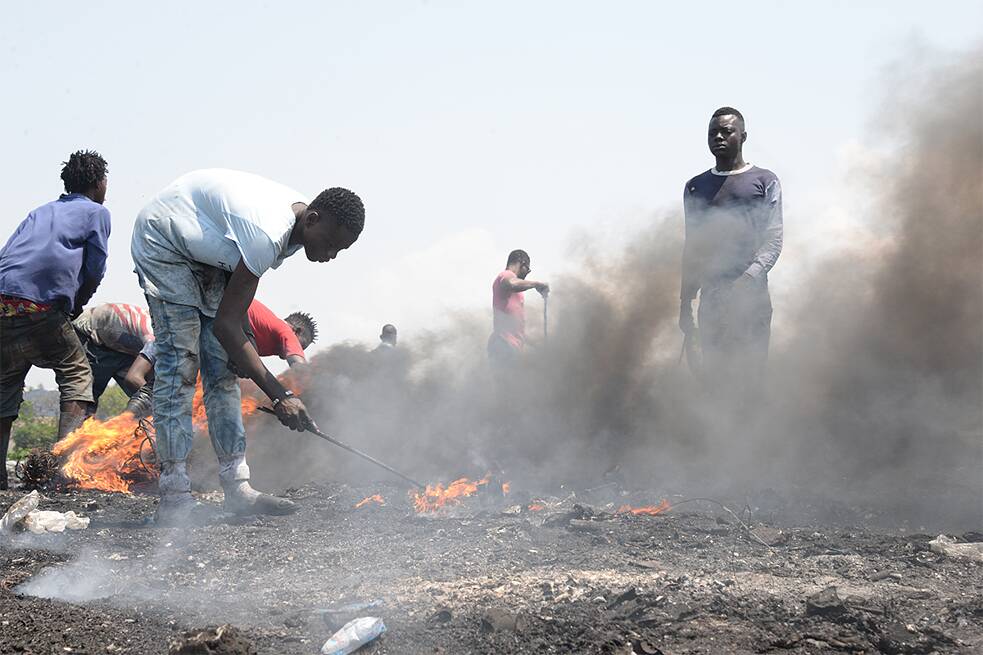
column 468, row 129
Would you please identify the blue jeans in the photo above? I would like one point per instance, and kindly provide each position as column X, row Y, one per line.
column 185, row 346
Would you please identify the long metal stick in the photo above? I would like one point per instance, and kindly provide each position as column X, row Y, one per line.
column 546, row 319
column 315, row 430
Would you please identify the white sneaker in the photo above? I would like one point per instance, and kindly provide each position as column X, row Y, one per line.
column 242, row 499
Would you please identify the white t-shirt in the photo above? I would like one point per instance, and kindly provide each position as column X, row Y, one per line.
column 196, row 230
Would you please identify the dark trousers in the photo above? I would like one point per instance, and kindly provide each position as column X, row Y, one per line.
column 108, row 365
column 46, row 340
column 734, row 332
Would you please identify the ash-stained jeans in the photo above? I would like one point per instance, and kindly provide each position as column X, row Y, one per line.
column 185, row 346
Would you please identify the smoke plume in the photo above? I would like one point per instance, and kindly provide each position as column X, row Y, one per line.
column 874, row 382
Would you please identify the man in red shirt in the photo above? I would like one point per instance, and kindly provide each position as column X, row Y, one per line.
column 508, row 339
column 286, row 338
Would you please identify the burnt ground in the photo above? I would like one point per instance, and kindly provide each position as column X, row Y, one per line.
column 568, row 579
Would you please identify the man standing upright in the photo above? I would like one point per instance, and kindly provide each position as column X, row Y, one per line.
column 733, row 215
column 508, row 338
column 49, row 270
column 200, row 247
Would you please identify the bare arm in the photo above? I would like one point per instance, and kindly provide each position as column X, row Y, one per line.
column 516, row 285
column 136, row 375
column 228, row 330
column 295, row 360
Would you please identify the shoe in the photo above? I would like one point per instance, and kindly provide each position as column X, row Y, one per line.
column 243, row 500
column 177, row 510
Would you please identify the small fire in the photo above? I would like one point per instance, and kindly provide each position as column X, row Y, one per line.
column 648, row 510
column 105, row 455
column 437, row 496
column 536, row 507
column 198, row 418
column 506, row 488
column 102, row 454
column 377, row 499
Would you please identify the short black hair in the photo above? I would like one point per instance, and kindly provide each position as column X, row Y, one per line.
column 303, row 321
column 389, row 328
column 728, row 111
column 83, row 171
column 518, row 257
column 344, row 205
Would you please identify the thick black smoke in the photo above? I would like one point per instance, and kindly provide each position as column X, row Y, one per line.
column 884, row 374
column 875, row 386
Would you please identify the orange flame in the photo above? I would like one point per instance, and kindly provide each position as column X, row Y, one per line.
column 105, row 455
column 102, row 455
column 379, row 500
column 648, row 510
column 536, row 507
column 437, row 496
column 506, row 488
column 199, row 419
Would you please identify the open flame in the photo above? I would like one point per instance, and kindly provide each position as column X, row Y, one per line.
column 438, row 496
column 102, row 455
column 648, row 510
column 105, row 455
column 377, row 499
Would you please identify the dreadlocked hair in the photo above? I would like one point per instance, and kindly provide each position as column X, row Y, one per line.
column 304, row 321
column 344, row 205
column 83, row 171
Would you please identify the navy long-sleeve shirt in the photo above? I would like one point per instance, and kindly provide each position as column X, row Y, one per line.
column 55, row 250
column 733, row 227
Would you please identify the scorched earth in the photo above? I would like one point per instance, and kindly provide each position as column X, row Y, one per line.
column 493, row 573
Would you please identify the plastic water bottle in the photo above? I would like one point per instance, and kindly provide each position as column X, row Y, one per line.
column 355, row 634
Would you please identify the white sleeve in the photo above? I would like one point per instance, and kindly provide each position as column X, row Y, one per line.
column 258, row 251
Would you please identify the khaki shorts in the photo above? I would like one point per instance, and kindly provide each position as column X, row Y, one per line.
column 46, row 340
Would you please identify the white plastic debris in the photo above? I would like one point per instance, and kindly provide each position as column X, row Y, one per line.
column 355, row 634
column 40, row 521
column 949, row 547
column 19, row 510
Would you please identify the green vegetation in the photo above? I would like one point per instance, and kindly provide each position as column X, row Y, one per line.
column 112, row 402
column 32, row 431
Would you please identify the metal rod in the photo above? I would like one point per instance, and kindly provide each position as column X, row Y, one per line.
column 315, row 430
column 546, row 316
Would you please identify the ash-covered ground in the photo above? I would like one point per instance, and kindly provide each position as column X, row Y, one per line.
column 491, row 577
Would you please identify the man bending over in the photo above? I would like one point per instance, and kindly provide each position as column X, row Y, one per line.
column 199, row 248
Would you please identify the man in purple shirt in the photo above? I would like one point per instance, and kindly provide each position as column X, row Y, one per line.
column 49, row 269
column 733, row 215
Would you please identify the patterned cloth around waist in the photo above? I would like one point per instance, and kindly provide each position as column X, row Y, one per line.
column 14, row 306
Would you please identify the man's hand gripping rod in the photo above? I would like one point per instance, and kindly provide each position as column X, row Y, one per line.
column 315, row 430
